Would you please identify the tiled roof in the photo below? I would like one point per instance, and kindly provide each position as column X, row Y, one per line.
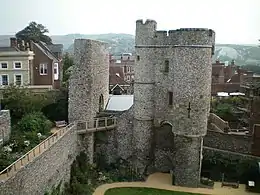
column 116, row 76
column 43, row 47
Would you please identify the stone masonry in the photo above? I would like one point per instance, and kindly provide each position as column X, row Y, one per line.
column 88, row 85
column 47, row 170
column 172, row 83
column 5, row 126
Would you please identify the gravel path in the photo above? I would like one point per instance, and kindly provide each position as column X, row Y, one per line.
column 163, row 181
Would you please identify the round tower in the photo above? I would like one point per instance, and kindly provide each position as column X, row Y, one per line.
column 143, row 93
column 191, row 87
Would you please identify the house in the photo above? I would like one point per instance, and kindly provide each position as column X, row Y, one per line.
column 117, row 84
column 126, row 61
column 31, row 64
column 15, row 65
column 46, row 65
column 227, row 77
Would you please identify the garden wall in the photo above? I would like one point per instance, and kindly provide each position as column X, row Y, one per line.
column 5, row 126
column 230, row 142
column 46, row 170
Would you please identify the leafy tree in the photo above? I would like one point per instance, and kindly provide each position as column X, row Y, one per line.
column 67, row 66
column 35, row 32
column 21, row 101
column 224, row 111
column 34, row 122
column 58, row 110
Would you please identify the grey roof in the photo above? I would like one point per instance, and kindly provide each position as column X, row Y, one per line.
column 43, row 47
column 56, row 47
column 6, row 49
column 120, row 102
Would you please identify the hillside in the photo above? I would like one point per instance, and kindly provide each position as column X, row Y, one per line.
column 119, row 43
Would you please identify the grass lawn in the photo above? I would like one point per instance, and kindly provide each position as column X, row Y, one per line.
column 143, row 191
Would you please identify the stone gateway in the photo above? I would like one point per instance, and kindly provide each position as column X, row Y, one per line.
column 164, row 129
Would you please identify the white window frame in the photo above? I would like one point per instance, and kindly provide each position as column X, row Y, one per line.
column 2, row 79
column 3, row 63
column 43, row 64
column 18, row 62
column 21, row 79
column 56, row 67
column 128, row 78
column 128, row 69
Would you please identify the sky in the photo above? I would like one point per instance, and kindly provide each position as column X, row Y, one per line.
column 234, row 21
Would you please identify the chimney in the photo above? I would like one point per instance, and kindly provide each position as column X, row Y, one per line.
column 22, row 48
column 217, row 61
column 27, row 47
column 232, row 62
column 13, row 42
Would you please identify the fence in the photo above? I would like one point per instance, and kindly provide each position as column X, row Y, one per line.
column 97, row 124
column 33, row 153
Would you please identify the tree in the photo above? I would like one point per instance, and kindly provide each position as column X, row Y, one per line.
column 35, row 32
column 67, row 66
column 21, row 101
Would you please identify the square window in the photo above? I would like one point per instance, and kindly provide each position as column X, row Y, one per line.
column 18, row 79
column 4, row 65
column 17, row 65
column 4, row 79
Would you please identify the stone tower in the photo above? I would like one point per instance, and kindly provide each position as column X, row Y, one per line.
column 173, row 84
column 88, row 84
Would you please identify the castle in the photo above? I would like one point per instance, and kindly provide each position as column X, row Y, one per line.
column 171, row 100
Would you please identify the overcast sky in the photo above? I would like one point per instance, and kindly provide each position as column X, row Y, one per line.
column 235, row 21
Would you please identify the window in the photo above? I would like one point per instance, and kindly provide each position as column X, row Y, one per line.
column 128, row 78
column 128, row 69
column 4, row 80
column 18, row 79
column 166, row 66
column 4, row 65
column 56, row 71
column 170, row 94
column 138, row 58
column 43, row 69
column 17, row 65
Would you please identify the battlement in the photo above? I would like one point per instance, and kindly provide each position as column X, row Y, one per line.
column 146, row 34
column 148, row 21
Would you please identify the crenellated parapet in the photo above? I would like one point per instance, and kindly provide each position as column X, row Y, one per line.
column 147, row 35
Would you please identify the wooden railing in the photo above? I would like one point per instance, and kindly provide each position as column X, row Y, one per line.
column 33, row 153
column 99, row 124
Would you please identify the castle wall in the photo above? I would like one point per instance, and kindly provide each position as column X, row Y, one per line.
column 229, row 142
column 5, row 126
column 207, row 151
column 117, row 143
column 47, row 170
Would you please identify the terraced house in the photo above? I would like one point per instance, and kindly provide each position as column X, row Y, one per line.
column 15, row 66
column 35, row 65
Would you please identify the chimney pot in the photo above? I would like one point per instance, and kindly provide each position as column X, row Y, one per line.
column 13, row 42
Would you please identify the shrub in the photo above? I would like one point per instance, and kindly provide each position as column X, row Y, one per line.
column 34, row 122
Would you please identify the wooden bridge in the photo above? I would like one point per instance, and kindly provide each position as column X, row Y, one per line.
column 98, row 124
